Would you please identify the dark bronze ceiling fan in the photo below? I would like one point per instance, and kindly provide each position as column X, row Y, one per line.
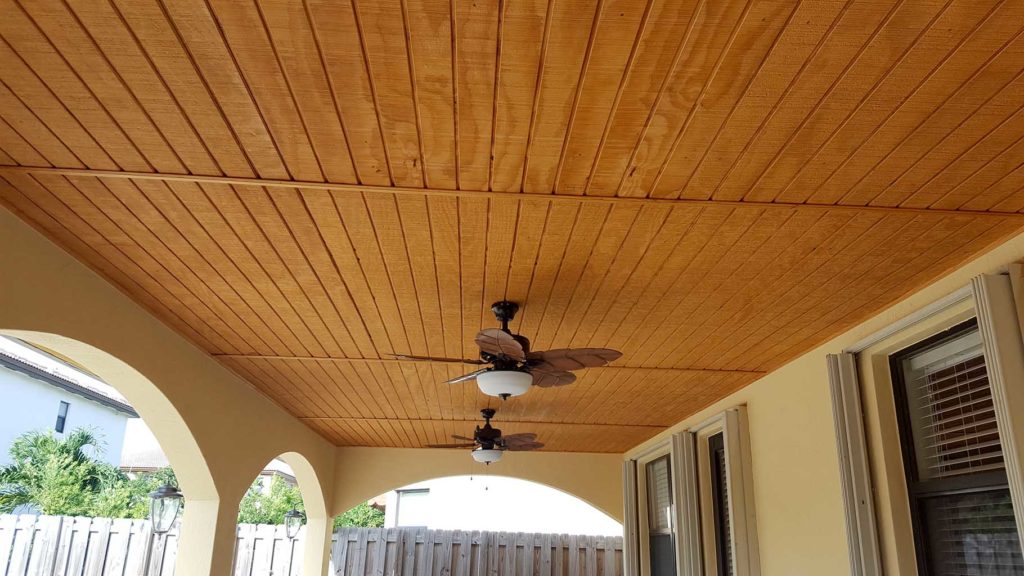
column 513, row 367
column 488, row 443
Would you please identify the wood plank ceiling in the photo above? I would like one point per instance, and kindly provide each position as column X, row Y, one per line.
column 712, row 187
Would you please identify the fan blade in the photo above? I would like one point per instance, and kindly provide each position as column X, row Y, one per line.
column 572, row 359
column 552, row 379
column 524, row 447
column 457, row 437
column 436, row 359
column 519, row 441
column 451, row 445
column 522, row 437
column 500, row 343
column 465, row 377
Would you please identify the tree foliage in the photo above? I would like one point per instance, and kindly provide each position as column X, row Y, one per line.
column 258, row 507
column 64, row 476
column 363, row 515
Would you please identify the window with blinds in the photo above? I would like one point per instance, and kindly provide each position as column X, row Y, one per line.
column 960, row 502
column 720, row 505
column 661, row 543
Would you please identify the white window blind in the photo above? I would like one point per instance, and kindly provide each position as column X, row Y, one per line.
column 954, row 422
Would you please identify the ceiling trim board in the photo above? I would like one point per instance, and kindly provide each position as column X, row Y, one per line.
column 306, row 186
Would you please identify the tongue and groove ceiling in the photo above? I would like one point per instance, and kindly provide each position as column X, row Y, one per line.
column 303, row 188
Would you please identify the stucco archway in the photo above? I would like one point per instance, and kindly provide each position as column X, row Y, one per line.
column 363, row 473
column 159, row 414
column 319, row 523
column 170, row 429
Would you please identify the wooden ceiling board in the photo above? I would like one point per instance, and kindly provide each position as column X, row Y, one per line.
column 713, row 188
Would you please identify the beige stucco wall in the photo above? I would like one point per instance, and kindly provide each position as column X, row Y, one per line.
column 800, row 518
column 217, row 430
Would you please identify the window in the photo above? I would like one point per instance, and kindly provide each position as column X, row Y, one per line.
column 661, row 544
column 689, row 503
column 720, row 504
column 953, row 458
column 62, row 417
column 413, row 508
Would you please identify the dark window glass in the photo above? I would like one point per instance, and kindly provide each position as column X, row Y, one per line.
column 659, row 517
column 956, row 478
column 720, row 505
column 62, row 416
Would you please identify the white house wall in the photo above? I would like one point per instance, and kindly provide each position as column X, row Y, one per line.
column 28, row 404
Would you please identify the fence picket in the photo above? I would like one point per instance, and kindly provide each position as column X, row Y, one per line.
column 362, row 537
column 591, row 556
column 78, row 545
column 7, row 525
column 380, row 552
column 44, row 546
column 262, row 549
column 22, row 548
column 408, row 563
column 99, row 536
column 339, row 554
column 559, row 552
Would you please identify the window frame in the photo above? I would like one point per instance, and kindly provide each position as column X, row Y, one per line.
column 997, row 302
column 718, row 510
column 662, row 450
column 962, row 484
column 398, row 504
column 893, row 521
column 63, row 409
column 732, row 425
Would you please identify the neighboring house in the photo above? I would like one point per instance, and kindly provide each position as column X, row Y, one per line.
column 41, row 392
column 495, row 503
column 142, row 454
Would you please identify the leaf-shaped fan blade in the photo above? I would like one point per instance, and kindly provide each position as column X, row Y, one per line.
column 552, row 379
column 465, row 377
column 523, row 437
column 572, row 359
column 500, row 343
column 524, row 447
column 436, row 359
column 457, row 437
column 451, row 445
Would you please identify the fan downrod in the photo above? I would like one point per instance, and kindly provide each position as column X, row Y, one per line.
column 504, row 311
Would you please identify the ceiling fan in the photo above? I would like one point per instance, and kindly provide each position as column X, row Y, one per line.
column 488, row 444
column 513, row 367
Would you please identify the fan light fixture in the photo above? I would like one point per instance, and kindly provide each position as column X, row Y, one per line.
column 504, row 383
column 486, row 455
column 514, row 368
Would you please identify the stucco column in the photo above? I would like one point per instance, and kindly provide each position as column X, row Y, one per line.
column 207, row 544
column 317, row 554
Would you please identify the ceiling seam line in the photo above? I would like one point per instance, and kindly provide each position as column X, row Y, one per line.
column 305, row 186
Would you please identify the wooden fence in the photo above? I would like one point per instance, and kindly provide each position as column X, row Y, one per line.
column 65, row 546
column 419, row 552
